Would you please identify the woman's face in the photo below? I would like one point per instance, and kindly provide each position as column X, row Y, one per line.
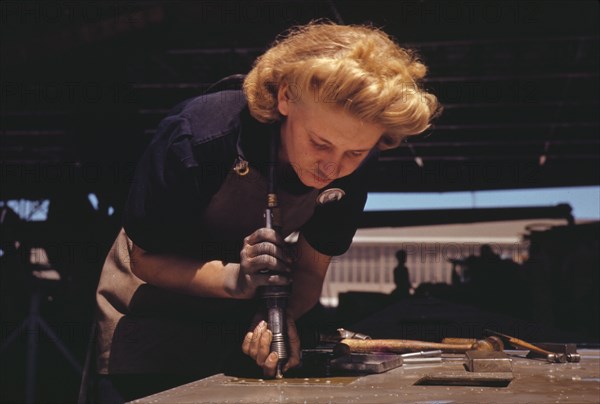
column 321, row 141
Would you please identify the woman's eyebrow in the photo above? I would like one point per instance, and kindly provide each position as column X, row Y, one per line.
column 313, row 134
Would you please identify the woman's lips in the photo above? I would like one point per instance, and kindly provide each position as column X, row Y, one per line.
column 322, row 183
column 320, row 178
column 314, row 176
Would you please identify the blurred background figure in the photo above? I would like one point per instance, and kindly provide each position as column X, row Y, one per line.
column 489, row 276
column 401, row 278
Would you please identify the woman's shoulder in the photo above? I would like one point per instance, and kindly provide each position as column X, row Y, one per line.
column 213, row 115
column 203, row 128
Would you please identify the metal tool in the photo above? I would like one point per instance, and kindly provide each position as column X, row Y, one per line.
column 340, row 334
column 569, row 350
column 275, row 296
column 486, row 361
column 551, row 357
column 422, row 354
column 366, row 363
column 322, row 362
column 421, row 357
column 343, row 333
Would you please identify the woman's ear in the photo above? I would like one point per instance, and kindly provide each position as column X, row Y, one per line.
column 283, row 101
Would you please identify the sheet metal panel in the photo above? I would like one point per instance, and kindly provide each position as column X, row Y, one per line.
column 535, row 381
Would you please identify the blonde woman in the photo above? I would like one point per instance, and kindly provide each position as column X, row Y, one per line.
column 176, row 295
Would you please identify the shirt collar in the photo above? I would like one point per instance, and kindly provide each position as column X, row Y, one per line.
column 253, row 146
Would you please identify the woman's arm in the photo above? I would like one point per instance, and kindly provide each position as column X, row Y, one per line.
column 263, row 261
column 186, row 275
column 308, row 275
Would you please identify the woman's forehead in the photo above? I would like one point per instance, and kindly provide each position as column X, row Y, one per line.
column 336, row 125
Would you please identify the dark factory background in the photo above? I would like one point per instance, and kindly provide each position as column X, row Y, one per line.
column 84, row 84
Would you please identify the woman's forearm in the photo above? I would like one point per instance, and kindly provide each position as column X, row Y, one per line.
column 186, row 275
column 306, row 291
column 308, row 276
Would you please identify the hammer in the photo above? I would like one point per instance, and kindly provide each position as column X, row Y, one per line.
column 552, row 357
column 347, row 346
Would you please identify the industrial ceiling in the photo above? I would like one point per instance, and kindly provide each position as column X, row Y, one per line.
column 84, row 85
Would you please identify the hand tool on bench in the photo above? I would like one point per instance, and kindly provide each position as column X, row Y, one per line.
column 321, row 362
column 343, row 333
column 487, row 361
column 569, row 350
column 340, row 334
column 349, row 345
column 551, row 357
column 324, row 361
column 420, row 357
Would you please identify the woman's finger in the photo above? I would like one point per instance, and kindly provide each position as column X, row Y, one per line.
column 264, row 347
column 246, row 343
column 270, row 365
column 264, row 234
column 294, row 345
column 255, row 341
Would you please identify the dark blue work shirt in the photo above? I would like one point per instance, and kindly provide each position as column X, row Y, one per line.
column 186, row 167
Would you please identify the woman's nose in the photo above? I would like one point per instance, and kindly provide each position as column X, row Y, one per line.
column 332, row 168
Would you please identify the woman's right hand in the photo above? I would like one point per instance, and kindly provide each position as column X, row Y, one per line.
column 264, row 260
column 257, row 345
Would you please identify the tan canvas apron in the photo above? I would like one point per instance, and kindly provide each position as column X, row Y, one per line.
column 145, row 329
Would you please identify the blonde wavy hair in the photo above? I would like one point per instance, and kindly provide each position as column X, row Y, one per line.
column 358, row 68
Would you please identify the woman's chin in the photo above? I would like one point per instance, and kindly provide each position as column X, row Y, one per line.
column 314, row 182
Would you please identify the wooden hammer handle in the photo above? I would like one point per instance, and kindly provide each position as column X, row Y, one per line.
column 453, row 340
column 520, row 343
column 347, row 346
column 526, row 345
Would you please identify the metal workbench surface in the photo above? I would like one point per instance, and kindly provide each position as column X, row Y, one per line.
column 535, row 381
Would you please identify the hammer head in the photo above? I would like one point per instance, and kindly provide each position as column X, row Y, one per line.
column 556, row 358
column 561, row 352
column 491, row 343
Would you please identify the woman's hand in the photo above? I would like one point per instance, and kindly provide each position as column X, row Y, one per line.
column 264, row 260
column 257, row 345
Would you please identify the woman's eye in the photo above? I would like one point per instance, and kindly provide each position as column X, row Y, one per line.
column 319, row 146
column 356, row 153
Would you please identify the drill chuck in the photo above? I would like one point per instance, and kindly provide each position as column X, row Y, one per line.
column 275, row 297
